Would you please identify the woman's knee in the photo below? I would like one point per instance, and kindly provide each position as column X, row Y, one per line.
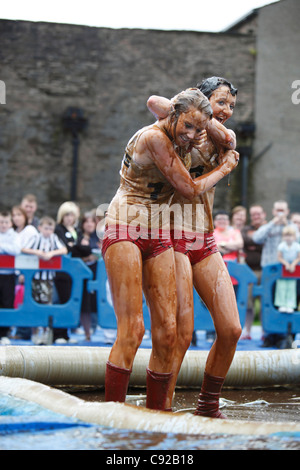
column 231, row 334
column 131, row 336
column 169, row 337
column 184, row 338
column 235, row 332
column 165, row 338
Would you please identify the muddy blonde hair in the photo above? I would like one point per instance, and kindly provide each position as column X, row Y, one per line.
column 192, row 97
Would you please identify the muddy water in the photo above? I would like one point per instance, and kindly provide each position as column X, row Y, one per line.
column 275, row 404
column 263, row 404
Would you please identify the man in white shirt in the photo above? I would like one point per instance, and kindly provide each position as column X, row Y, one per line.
column 270, row 235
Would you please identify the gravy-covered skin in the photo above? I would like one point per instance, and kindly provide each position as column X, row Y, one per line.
column 198, row 261
column 138, row 252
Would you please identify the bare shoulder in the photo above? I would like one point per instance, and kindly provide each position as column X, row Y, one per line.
column 151, row 135
column 152, row 142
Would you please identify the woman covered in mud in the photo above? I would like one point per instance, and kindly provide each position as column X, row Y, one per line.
column 198, row 261
column 138, row 250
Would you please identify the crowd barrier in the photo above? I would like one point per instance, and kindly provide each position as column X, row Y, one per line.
column 106, row 318
column 67, row 315
column 244, row 276
column 32, row 314
column 274, row 321
column 106, row 315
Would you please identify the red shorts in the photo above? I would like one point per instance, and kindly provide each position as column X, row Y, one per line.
column 151, row 243
column 196, row 247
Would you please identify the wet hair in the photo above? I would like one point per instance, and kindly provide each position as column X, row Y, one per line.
column 191, row 97
column 209, row 85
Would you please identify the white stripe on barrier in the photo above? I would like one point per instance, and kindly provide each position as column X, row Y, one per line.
column 27, row 262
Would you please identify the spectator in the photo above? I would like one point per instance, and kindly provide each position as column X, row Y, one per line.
column 269, row 236
column 29, row 204
column 100, row 225
column 66, row 229
column 45, row 245
column 24, row 230
column 9, row 245
column 25, row 233
column 252, row 252
column 289, row 256
column 238, row 217
column 89, row 238
column 238, row 221
column 295, row 219
column 229, row 240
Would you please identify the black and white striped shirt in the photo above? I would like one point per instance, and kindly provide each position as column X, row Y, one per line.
column 39, row 242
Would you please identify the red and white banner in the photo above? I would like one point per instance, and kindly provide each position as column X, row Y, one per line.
column 29, row 262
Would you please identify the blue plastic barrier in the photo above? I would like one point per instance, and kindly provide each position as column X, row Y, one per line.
column 106, row 313
column 67, row 315
column 274, row 321
column 106, row 317
column 32, row 314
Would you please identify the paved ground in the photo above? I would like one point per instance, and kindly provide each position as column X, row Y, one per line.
column 104, row 337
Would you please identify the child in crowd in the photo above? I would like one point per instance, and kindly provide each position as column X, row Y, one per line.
column 25, row 233
column 289, row 256
column 9, row 245
column 21, row 225
column 89, row 238
column 45, row 245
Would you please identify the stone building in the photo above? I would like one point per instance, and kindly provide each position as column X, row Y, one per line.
column 272, row 161
column 108, row 74
column 276, row 173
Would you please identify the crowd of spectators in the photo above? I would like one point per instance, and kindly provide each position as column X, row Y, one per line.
column 242, row 236
column 21, row 231
column 258, row 244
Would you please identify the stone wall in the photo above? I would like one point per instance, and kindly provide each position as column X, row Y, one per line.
column 109, row 74
column 275, row 175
